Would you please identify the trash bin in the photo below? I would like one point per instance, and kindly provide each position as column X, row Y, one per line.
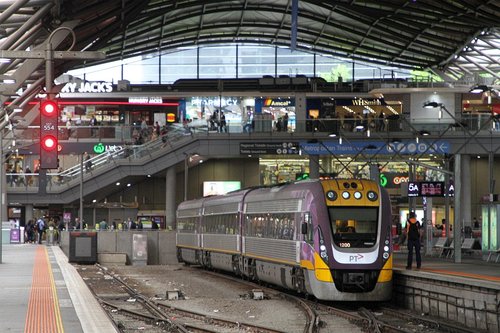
column 83, row 247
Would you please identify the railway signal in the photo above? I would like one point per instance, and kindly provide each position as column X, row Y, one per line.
column 49, row 115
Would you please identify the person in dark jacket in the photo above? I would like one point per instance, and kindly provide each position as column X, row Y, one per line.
column 413, row 234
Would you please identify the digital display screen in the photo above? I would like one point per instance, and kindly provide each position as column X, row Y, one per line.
column 432, row 189
column 413, row 189
column 426, row 189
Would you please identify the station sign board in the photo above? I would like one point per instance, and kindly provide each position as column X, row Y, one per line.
column 426, row 189
column 269, row 148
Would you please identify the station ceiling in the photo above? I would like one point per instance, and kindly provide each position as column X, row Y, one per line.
column 454, row 38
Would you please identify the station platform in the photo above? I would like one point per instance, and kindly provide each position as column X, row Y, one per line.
column 470, row 267
column 41, row 292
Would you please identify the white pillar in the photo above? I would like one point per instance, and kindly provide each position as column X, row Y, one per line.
column 457, row 226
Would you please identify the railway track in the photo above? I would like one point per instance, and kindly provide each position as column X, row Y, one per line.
column 133, row 310
column 155, row 316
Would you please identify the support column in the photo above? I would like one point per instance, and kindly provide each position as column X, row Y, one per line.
column 314, row 166
column 170, row 198
column 457, row 225
column 466, row 205
column 28, row 213
column 300, row 113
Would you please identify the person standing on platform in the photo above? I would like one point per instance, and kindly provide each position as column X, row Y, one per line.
column 413, row 233
column 40, row 225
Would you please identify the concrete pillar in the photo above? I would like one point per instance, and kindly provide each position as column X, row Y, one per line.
column 314, row 166
column 466, row 192
column 457, row 225
column 28, row 213
column 170, row 198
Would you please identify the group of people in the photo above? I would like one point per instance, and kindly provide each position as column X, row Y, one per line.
column 218, row 122
column 35, row 230
column 281, row 124
column 15, row 176
column 128, row 224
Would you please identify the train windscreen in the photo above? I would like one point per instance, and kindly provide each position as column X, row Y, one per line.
column 354, row 226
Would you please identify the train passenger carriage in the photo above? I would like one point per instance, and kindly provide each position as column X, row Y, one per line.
column 328, row 238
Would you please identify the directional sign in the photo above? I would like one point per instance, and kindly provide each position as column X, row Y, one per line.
column 271, row 148
column 376, row 147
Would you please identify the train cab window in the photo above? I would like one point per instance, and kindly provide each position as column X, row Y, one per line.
column 354, row 226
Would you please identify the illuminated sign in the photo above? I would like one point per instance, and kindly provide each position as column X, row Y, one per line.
column 145, row 100
column 426, row 189
column 278, row 102
column 88, row 87
column 218, row 188
column 101, row 148
column 170, row 117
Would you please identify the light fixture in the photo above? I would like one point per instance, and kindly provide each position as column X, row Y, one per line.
column 340, row 140
column 332, row 135
column 368, row 133
column 128, row 185
column 431, row 105
column 479, row 89
column 117, row 183
column 424, row 133
column 94, row 201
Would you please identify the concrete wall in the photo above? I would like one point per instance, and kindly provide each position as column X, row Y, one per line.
column 467, row 302
column 161, row 245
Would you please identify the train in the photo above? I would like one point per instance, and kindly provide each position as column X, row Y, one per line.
column 330, row 238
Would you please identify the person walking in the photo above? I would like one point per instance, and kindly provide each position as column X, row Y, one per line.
column 40, row 224
column 413, row 233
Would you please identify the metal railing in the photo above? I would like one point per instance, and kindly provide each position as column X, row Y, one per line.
column 346, row 127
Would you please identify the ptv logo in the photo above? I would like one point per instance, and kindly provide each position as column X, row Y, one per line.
column 355, row 258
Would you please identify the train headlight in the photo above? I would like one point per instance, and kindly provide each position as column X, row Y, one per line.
column 386, row 242
column 346, row 195
column 385, row 255
column 386, row 248
column 357, row 195
column 372, row 196
column 322, row 248
column 323, row 255
column 331, row 195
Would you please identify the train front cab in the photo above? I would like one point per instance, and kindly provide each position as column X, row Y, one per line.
column 353, row 268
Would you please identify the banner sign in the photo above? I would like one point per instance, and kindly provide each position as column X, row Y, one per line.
column 376, row 147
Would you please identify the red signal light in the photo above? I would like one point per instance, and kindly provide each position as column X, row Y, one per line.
column 49, row 143
column 49, row 108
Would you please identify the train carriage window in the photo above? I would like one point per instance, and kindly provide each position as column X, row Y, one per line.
column 354, row 226
column 186, row 225
column 276, row 226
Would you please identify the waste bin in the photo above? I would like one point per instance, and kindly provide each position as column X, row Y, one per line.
column 83, row 247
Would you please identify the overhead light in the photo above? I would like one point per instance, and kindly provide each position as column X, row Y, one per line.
column 117, row 183
column 431, row 105
column 128, row 185
column 5, row 61
column 94, row 201
column 424, row 133
column 332, row 135
column 479, row 89
column 340, row 140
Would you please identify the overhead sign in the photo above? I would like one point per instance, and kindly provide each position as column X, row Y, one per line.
column 145, row 100
column 272, row 148
column 426, row 189
column 88, row 87
column 376, row 147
